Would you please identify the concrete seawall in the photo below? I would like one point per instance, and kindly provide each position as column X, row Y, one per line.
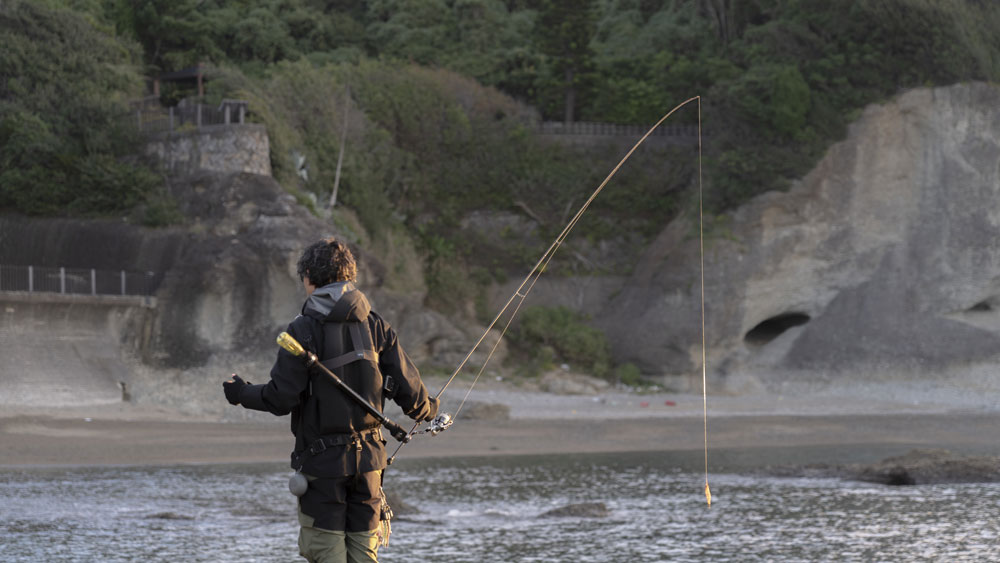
column 67, row 350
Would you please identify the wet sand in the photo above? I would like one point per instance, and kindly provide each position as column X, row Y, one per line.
column 125, row 434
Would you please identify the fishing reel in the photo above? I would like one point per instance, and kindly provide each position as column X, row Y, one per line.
column 440, row 423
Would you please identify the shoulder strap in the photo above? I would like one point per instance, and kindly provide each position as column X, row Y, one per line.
column 363, row 348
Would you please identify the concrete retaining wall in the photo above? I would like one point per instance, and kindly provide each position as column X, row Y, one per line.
column 70, row 350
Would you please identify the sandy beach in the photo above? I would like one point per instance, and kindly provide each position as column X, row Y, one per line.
column 539, row 423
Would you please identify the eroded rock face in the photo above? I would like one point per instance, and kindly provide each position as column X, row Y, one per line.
column 227, row 286
column 883, row 260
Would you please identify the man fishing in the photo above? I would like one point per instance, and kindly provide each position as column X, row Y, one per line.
column 339, row 449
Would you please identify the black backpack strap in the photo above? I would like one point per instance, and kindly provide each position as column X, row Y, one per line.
column 363, row 349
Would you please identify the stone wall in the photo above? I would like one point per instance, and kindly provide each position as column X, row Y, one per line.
column 219, row 148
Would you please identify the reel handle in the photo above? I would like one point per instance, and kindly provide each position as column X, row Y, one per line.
column 397, row 431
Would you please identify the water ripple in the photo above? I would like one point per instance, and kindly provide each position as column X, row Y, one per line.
column 485, row 510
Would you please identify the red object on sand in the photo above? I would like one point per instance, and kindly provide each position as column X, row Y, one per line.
column 644, row 404
column 670, row 403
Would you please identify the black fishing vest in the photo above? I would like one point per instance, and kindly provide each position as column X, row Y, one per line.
column 336, row 435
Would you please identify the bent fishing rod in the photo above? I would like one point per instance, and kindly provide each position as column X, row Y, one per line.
column 529, row 281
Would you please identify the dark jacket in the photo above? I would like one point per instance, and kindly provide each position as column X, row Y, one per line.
column 320, row 410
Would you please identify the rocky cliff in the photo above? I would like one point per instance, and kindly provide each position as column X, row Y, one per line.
column 879, row 270
column 881, row 266
column 228, row 288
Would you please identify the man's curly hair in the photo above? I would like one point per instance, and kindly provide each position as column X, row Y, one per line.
column 327, row 261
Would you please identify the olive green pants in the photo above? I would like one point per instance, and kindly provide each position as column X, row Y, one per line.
column 328, row 546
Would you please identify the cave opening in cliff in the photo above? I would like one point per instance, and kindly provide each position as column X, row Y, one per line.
column 981, row 307
column 769, row 329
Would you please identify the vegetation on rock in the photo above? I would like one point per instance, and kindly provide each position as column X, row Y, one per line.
column 435, row 104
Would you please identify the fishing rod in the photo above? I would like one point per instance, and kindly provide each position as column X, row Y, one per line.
column 540, row 266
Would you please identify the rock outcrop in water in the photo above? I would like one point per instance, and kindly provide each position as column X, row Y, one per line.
column 916, row 467
column 924, row 467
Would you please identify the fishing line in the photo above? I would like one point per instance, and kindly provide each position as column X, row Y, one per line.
column 502, row 333
column 701, row 244
column 492, row 351
column 539, row 267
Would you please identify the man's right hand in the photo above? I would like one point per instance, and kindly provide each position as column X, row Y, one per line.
column 434, row 405
column 232, row 389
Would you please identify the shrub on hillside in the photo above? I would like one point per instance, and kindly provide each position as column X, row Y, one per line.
column 62, row 106
column 563, row 332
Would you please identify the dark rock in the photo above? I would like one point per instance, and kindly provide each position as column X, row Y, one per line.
column 917, row 467
column 583, row 509
column 170, row 516
column 922, row 467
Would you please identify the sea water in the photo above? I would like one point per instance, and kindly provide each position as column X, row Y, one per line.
column 490, row 509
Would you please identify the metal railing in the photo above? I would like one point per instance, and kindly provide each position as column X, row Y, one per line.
column 151, row 117
column 77, row 281
column 614, row 129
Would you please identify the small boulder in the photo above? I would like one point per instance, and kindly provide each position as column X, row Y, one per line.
column 927, row 466
column 583, row 509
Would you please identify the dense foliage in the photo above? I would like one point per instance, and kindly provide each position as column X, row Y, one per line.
column 424, row 149
column 779, row 79
column 63, row 86
column 561, row 334
column 434, row 104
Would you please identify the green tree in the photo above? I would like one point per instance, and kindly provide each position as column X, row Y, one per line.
column 731, row 17
column 648, row 62
column 420, row 31
column 492, row 45
column 64, row 142
column 174, row 34
column 253, row 33
column 563, row 34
